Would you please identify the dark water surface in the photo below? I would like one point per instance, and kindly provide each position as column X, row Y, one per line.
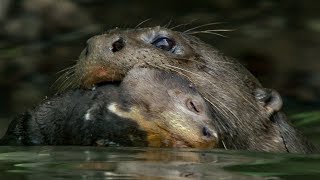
column 72, row 162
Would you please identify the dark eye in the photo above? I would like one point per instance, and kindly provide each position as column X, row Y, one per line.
column 164, row 43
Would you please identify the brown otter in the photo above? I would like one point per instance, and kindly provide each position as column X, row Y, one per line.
column 241, row 119
column 149, row 108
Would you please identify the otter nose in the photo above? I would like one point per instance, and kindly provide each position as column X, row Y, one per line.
column 118, row 45
column 207, row 134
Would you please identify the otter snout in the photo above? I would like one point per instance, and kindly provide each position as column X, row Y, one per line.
column 99, row 62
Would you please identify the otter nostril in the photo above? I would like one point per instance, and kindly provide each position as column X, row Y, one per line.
column 118, row 45
column 206, row 132
column 86, row 51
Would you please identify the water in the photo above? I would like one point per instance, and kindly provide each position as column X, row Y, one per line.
column 71, row 162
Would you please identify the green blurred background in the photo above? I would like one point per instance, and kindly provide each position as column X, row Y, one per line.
column 278, row 41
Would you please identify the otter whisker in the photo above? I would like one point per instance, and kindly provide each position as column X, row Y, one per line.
column 218, row 30
column 226, row 107
column 66, row 82
column 75, row 83
column 178, row 72
column 183, row 70
column 66, row 86
column 202, row 63
column 163, row 67
column 204, row 25
column 70, row 69
column 224, row 113
column 64, row 75
column 243, row 97
column 184, row 24
column 63, row 86
column 207, row 32
column 66, row 69
column 168, row 24
column 142, row 22
column 224, row 145
column 238, row 93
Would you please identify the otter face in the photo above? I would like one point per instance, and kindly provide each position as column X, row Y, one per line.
column 110, row 56
column 167, row 108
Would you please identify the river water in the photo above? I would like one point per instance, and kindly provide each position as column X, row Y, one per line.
column 73, row 162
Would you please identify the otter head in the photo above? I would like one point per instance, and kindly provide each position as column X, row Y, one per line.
column 108, row 57
column 168, row 108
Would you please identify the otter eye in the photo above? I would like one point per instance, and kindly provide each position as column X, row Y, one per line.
column 164, row 43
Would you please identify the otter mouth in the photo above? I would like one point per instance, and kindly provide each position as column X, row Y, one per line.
column 98, row 76
column 101, row 75
column 104, row 83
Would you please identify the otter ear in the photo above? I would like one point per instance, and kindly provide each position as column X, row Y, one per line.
column 269, row 98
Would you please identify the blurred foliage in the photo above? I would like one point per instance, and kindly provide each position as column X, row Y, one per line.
column 306, row 119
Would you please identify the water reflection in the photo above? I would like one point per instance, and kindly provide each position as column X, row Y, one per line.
column 148, row 163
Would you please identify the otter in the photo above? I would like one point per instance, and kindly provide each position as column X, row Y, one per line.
column 243, row 121
column 148, row 108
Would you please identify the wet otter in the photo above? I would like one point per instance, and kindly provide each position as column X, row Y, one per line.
column 149, row 108
column 242, row 121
